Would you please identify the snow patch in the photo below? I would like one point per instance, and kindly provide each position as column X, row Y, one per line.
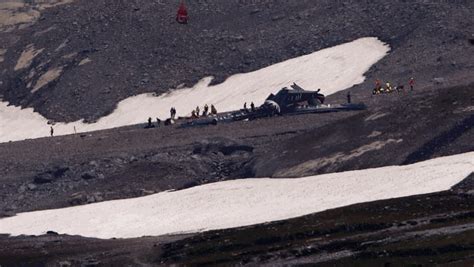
column 332, row 69
column 374, row 134
column 242, row 202
column 62, row 45
column 27, row 57
column 85, row 61
column 460, row 110
column 48, row 77
column 18, row 14
column 376, row 116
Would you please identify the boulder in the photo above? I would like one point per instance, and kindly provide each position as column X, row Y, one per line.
column 31, row 186
column 78, row 199
column 50, row 175
column 89, row 175
column 221, row 145
column 43, row 178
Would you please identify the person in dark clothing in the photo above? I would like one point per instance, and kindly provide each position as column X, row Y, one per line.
column 173, row 113
column 245, row 106
column 348, row 97
column 150, row 124
column 213, row 110
column 198, row 110
column 252, row 107
column 51, row 131
column 400, row 88
column 205, row 111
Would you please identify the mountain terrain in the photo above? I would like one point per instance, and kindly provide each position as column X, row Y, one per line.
column 78, row 59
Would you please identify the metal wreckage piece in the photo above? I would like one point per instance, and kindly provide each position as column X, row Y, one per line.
column 294, row 101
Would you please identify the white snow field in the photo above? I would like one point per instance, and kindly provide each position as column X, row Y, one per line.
column 242, row 202
column 332, row 69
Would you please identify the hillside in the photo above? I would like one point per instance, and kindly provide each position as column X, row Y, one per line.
column 388, row 185
column 67, row 171
column 80, row 59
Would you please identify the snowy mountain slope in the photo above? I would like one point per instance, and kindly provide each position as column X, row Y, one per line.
column 332, row 69
column 102, row 52
column 242, row 202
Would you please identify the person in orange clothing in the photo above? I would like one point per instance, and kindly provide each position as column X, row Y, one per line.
column 411, row 82
column 378, row 87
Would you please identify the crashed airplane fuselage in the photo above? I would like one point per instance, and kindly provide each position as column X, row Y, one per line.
column 287, row 101
column 290, row 99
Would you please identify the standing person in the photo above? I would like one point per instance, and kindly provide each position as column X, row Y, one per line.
column 400, row 88
column 197, row 111
column 378, row 86
column 411, row 82
column 252, row 107
column 213, row 110
column 150, row 124
column 51, row 131
column 348, row 97
column 245, row 106
column 206, row 110
column 158, row 122
column 172, row 113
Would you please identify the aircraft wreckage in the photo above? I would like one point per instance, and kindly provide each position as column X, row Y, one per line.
column 294, row 101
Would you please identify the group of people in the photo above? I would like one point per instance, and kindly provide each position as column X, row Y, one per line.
column 158, row 122
column 252, row 107
column 196, row 113
column 388, row 88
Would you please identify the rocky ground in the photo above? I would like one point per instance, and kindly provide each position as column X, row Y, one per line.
column 426, row 230
column 129, row 162
column 78, row 60
column 132, row 161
